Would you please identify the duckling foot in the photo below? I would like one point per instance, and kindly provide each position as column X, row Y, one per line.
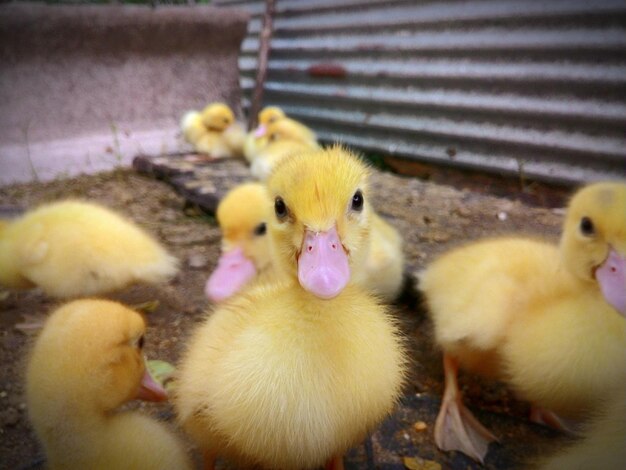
column 456, row 427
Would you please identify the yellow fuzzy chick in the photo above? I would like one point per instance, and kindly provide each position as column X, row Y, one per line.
column 258, row 139
column 291, row 374
column 74, row 248
column 540, row 317
column 214, row 131
column 285, row 137
column 243, row 215
column 85, row 364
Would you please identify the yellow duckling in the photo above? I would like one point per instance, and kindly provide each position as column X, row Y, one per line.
column 214, row 131
column 542, row 318
column 257, row 139
column 85, row 364
column 243, row 215
column 75, row 248
column 291, row 374
column 285, row 137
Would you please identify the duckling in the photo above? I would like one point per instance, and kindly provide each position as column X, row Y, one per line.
column 293, row 373
column 257, row 139
column 270, row 114
column 214, row 131
column 85, row 364
column 540, row 317
column 243, row 215
column 284, row 137
column 73, row 248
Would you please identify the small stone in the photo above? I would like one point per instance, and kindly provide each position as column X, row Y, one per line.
column 197, row 261
column 502, row 216
column 420, row 426
column 413, row 463
column 9, row 417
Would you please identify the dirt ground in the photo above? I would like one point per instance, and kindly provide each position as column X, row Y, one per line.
column 432, row 217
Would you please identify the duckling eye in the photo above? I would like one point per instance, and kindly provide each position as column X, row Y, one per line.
column 357, row 201
column 273, row 136
column 140, row 342
column 260, row 229
column 586, row 226
column 280, row 208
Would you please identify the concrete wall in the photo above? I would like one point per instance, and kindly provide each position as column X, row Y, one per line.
column 85, row 88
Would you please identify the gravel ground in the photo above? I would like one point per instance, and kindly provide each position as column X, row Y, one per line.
column 432, row 217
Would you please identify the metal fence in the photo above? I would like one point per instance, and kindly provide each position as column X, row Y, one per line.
column 504, row 86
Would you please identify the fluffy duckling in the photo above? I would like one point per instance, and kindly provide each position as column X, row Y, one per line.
column 85, row 364
column 291, row 374
column 540, row 317
column 74, row 248
column 243, row 215
column 285, row 137
column 214, row 131
column 257, row 139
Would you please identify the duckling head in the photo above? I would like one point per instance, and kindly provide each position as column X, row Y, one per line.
column 320, row 224
column 267, row 116
column 242, row 215
column 593, row 244
column 217, row 117
column 89, row 357
column 287, row 129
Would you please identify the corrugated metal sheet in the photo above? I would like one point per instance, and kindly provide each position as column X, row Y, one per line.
column 495, row 85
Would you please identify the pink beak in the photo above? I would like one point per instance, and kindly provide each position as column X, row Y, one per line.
column 260, row 131
column 323, row 267
column 233, row 271
column 150, row 390
column 611, row 275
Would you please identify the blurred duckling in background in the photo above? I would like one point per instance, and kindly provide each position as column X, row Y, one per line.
column 285, row 137
column 74, row 248
column 85, row 364
column 257, row 139
column 383, row 273
column 214, row 131
column 292, row 374
column 541, row 317
column 243, row 215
